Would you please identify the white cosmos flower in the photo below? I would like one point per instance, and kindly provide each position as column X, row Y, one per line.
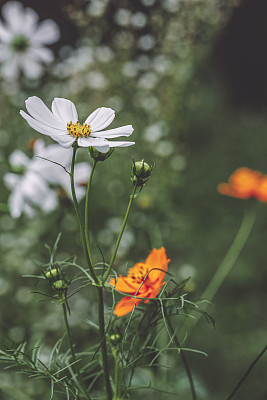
column 23, row 39
column 62, row 124
column 35, row 187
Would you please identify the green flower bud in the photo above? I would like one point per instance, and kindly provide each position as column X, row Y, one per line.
column 98, row 156
column 60, row 285
column 115, row 338
column 141, row 172
column 52, row 273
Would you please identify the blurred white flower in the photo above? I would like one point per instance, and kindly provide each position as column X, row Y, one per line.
column 28, row 193
column 148, row 81
column 146, row 42
column 155, row 132
column 97, row 7
column 148, row 3
column 96, row 80
column 130, row 69
column 138, row 20
column 75, row 61
column 122, row 16
column 22, row 41
column 62, row 124
column 35, row 187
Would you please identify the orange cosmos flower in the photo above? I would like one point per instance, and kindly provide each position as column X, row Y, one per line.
column 144, row 280
column 245, row 183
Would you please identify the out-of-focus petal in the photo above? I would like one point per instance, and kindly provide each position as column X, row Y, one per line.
column 47, row 33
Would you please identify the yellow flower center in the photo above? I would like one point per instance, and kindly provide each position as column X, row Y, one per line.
column 138, row 273
column 78, row 130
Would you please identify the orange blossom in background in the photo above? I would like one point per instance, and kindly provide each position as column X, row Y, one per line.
column 245, row 183
column 144, row 280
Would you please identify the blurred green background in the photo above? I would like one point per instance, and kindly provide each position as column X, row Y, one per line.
column 191, row 77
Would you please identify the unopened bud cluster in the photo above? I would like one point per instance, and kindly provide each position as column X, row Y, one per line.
column 140, row 172
column 55, row 278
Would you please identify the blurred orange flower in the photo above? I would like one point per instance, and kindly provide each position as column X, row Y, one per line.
column 245, row 183
column 144, row 280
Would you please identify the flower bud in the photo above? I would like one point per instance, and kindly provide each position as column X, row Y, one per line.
column 60, row 285
column 98, row 156
column 52, row 273
column 141, row 172
column 115, row 338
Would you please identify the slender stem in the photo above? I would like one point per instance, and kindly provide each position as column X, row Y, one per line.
column 120, row 234
column 86, row 217
column 76, row 367
column 116, row 374
column 103, row 341
column 232, row 255
column 242, row 380
column 81, row 224
column 226, row 264
column 183, row 357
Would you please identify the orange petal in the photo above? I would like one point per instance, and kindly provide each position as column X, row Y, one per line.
column 157, row 263
column 261, row 193
column 126, row 305
column 124, row 284
column 243, row 183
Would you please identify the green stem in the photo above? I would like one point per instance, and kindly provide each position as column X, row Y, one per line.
column 74, row 358
column 182, row 353
column 242, row 380
column 226, row 264
column 232, row 255
column 103, row 341
column 81, row 224
column 86, row 217
column 120, row 234
column 116, row 374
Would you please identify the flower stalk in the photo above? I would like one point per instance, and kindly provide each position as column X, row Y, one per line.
column 86, row 216
column 74, row 358
column 103, row 342
column 182, row 354
column 232, row 254
column 120, row 234
column 81, row 224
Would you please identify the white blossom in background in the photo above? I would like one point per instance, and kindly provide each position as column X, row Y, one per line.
column 23, row 41
column 62, row 124
column 35, row 185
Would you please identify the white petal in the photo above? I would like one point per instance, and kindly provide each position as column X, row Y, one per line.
column 5, row 34
column 38, row 110
column 11, row 68
column 11, row 180
column 102, row 149
column 31, row 68
column 91, row 142
column 65, row 110
column 15, row 203
column 30, row 20
column 47, row 33
column 120, row 144
column 41, row 54
column 126, row 130
column 13, row 12
column 100, row 118
column 61, row 137
column 19, row 159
